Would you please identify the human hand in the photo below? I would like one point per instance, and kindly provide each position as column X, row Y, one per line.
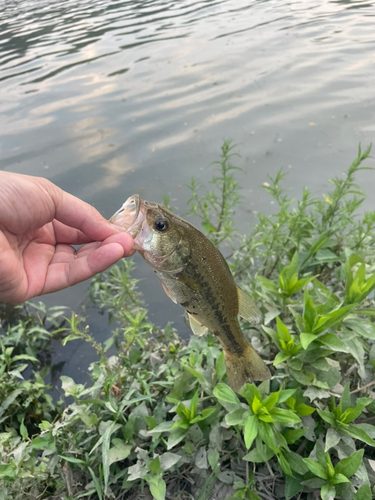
column 38, row 224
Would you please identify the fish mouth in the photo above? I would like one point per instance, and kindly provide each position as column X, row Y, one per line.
column 130, row 216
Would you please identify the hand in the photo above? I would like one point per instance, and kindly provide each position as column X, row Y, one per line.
column 38, row 224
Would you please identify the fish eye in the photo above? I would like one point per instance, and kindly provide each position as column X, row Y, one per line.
column 161, row 224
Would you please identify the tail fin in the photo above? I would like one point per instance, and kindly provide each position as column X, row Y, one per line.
column 244, row 367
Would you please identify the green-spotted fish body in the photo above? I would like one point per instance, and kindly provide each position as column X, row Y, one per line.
column 195, row 274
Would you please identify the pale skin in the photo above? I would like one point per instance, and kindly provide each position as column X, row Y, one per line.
column 39, row 223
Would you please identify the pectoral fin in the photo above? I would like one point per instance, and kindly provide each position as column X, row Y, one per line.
column 197, row 328
column 169, row 293
column 247, row 308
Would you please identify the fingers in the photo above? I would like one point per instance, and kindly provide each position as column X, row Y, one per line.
column 68, row 267
column 80, row 215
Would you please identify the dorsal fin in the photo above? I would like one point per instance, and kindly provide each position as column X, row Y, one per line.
column 197, row 328
column 247, row 308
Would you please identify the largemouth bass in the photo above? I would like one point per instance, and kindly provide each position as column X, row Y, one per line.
column 195, row 274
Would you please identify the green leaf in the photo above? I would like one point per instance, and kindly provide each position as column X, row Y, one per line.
column 316, row 468
column 224, row 393
column 346, row 401
column 306, row 339
column 296, row 463
column 349, row 466
column 168, row 460
column 261, row 453
column 23, row 430
column 235, row 417
column 282, row 330
column 328, row 491
column 280, row 357
column 309, row 313
column 194, row 372
column 356, row 432
column 364, row 493
column 332, row 318
column 270, row 401
column 250, row 430
column 292, row 486
column 293, row 435
column 327, row 416
column 176, row 436
column 220, row 367
column 332, row 438
column 213, row 458
column 304, row 410
column 284, row 416
column 72, row 460
column 8, row 471
column 154, row 465
column 157, row 487
column 333, row 342
column 339, row 479
column 194, row 405
column 284, row 464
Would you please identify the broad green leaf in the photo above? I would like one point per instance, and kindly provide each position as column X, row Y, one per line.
column 261, row 453
column 157, row 487
column 333, row 342
column 168, row 460
column 339, row 479
column 306, row 339
column 304, row 410
column 282, row 330
column 119, row 451
column 316, row 468
column 270, row 401
column 284, row 464
column 163, row 427
column 154, row 465
column 280, row 357
column 332, row 438
column 363, row 328
column 332, row 318
column 356, row 432
column 349, row 466
column 353, row 413
column 176, row 436
column 236, row 417
column 194, row 372
column 364, row 493
column 296, row 463
column 292, row 486
column 328, row 491
column 250, row 430
column 224, row 393
column 293, row 435
column 45, row 442
column 8, row 471
column 213, row 458
column 327, row 416
column 220, row 367
column 284, row 416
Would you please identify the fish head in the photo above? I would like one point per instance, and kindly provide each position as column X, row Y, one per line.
column 160, row 236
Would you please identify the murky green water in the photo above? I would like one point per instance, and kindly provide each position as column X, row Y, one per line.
column 107, row 98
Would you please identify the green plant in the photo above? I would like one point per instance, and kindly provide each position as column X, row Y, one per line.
column 157, row 412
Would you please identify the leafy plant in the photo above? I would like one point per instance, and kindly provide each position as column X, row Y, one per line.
column 157, row 414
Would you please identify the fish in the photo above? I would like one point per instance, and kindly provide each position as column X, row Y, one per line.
column 195, row 274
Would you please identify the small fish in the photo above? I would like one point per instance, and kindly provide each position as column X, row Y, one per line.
column 195, row 274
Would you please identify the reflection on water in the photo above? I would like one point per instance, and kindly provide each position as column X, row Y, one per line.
column 109, row 98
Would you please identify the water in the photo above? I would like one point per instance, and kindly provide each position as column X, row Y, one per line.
column 109, row 98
